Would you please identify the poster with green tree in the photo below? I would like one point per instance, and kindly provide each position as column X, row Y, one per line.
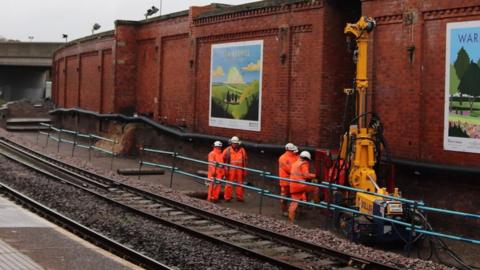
column 236, row 85
column 462, row 87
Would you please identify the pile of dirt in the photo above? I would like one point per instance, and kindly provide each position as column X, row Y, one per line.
column 27, row 109
column 124, row 138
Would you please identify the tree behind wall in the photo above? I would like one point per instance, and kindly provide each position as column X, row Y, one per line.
column 470, row 83
column 461, row 66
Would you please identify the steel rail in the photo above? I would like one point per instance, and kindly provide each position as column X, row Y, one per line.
column 82, row 231
column 27, row 161
column 318, row 250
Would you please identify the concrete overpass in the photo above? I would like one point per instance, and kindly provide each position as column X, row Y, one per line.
column 25, row 69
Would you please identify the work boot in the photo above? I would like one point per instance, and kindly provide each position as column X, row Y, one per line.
column 291, row 211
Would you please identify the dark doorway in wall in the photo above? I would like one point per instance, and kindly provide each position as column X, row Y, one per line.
column 18, row 82
column 351, row 8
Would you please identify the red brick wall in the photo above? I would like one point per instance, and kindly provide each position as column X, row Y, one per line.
column 299, row 96
column 162, row 67
column 54, row 78
column 338, row 70
column 175, row 106
column 125, row 68
column 157, row 76
column 72, row 86
column 60, row 86
column 90, row 82
column 272, row 85
column 409, row 96
column 147, row 76
column 107, row 82
column 81, row 83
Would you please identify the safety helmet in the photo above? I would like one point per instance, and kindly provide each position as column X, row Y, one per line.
column 217, row 144
column 289, row 146
column 235, row 139
column 306, row 155
column 295, row 149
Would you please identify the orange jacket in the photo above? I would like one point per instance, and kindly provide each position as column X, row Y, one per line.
column 284, row 166
column 235, row 157
column 300, row 172
column 215, row 171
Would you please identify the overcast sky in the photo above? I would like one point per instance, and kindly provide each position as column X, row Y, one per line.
column 47, row 20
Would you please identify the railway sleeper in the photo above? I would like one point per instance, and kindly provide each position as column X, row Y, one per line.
column 213, row 228
column 302, row 255
column 269, row 251
column 257, row 245
column 142, row 202
column 225, row 232
column 184, row 219
column 273, row 248
column 155, row 206
column 164, row 209
column 176, row 213
column 201, row 223
column 244, row 238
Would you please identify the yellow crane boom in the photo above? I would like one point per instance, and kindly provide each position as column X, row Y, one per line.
column 362, row 174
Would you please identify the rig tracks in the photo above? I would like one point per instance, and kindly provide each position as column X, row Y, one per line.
column 278, row 249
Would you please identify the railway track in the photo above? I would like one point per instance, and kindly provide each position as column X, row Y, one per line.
column 280, row 250
column 82, row 231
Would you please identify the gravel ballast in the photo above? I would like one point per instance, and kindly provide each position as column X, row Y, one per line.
column 316, row 236
column 162, row 243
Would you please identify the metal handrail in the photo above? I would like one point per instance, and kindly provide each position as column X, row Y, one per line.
column 324, row 205
column 156, row 151
column 75, row 144
column 103, row 138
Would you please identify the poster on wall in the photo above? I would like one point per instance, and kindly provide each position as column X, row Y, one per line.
column 462, row 87
column 236, row 85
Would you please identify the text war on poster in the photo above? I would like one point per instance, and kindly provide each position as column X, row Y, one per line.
column 462, row 87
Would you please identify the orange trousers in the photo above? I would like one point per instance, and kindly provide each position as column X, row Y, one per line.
column 237, row 177
column 302, row 196
column 214, row 191
column 285, row 192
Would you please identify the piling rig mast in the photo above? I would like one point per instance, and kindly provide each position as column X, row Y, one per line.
column 360, row 151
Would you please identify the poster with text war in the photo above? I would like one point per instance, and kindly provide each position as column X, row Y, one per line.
column 462, row 87
column 236, row 85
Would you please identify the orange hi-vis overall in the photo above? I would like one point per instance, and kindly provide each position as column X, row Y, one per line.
column 215, row 171
column 284, row 166
column 237, row 158
column 300, row 173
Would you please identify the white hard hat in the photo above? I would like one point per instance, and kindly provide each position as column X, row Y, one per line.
column 295, row 149
column 234, row 139
column 217, row 144
column 306, row 155
column 290, row 147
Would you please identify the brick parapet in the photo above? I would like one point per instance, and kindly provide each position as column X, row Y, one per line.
column 408, row 74
column 149, row 57
column 161, row 67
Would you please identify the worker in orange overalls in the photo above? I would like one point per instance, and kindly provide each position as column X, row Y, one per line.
column 284, row 165
column 215, row 171
column 237, row 156
column 300, row 172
